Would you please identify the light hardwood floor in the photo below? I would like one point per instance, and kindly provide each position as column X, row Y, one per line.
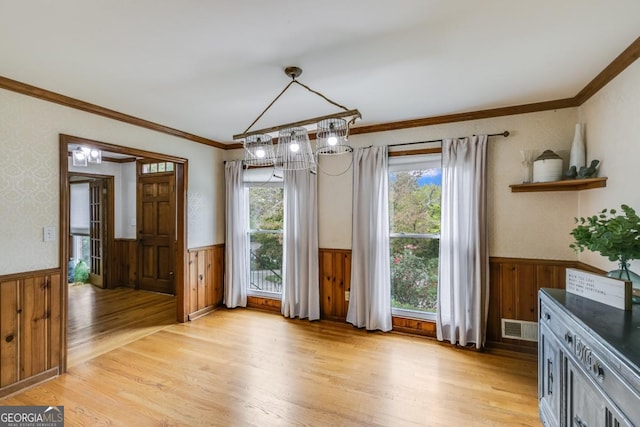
column 100, row 320
column 245, row 367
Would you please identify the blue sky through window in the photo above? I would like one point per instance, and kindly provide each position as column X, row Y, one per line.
column 432, row 176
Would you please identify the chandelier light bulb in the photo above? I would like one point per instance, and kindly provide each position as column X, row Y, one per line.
column 94, row 154
column 332, row 140
column 79, row 155
column 260, row 153
column 294, row 146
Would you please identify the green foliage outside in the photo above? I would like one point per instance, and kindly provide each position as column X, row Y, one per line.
column 266, row 214
column 415, row 209
column 81, row 272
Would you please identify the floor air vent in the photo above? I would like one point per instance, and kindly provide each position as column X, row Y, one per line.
column 519, row 330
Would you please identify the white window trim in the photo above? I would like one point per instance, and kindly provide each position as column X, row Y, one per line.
column 413, row 314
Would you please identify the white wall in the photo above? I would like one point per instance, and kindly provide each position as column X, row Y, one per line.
column 526, row 225
column 29, row 176
column 612, row 121
column 124, row 182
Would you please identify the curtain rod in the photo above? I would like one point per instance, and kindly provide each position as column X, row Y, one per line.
column 505, row 134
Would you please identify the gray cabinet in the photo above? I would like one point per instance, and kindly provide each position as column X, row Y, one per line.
column 549, row 361
column 588, row 358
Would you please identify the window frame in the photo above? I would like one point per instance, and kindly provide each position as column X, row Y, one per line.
column 406, row 163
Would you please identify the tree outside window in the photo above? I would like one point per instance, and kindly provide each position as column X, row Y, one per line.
column 266, row 217
column 414, row 217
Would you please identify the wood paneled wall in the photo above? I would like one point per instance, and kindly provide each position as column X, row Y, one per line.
column 30, row 328
column 335, row 280
column 266, row 304
column 513, row 292
column 514, row 285
column 125, row 263
column 205, row 279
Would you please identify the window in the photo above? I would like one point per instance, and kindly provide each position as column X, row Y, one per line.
column 414, row 237
column 159, row 167
column 265, row 234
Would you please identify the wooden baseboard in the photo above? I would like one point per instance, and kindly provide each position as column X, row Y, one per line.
column 338, row 319
column 29, row 382
column 530, row 348
column 197, row 314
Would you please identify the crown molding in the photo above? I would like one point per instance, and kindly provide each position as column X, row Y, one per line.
column 47, row 95
column 618, row 65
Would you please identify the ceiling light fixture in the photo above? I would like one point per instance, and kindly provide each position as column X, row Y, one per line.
column 294, row 149
column 81, row 156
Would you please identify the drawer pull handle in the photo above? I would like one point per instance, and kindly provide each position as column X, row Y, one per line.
column 547, row 316
column 549, row 377
column 568, row 338
column 598, row 371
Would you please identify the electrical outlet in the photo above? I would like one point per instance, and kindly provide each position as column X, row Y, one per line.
column 347, row 294
column 49, row 234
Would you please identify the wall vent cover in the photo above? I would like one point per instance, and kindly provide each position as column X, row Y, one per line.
column 519, row 330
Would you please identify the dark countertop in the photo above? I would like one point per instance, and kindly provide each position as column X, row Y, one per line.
column 619, row 328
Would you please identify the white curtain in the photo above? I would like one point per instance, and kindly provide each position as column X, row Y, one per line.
column 370, row 298
column 236, row 245
column 300, row 290
column 463, row 286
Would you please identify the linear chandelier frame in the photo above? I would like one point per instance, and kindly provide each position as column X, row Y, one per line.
column 355, row 114
column 294, row 73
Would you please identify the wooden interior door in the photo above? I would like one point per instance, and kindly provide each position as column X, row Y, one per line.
column 156, row 219
column 97, row 231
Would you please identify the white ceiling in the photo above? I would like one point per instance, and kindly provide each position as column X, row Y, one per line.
column 209, row 67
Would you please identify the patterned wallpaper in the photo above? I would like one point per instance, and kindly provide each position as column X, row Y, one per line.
column 612, row 136
column 29, row 190
column 29, row 176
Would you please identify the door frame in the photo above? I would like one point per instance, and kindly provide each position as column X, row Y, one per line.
column 139, row 220
column 181, row 262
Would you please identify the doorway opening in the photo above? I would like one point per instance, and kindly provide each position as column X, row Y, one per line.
column 91, row 233
column 119, row 257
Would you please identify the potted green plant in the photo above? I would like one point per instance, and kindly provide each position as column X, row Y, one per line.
column 616, row 235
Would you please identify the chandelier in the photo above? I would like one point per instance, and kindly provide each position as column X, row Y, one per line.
column 294, row 150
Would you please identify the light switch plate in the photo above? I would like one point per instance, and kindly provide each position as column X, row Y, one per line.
column 347, row 294
column 49, row 234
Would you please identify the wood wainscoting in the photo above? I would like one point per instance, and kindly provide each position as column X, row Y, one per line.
column 266, row 304
column 513, row 293
column 513, row 283
column 30, row 328
column 513, row 289
column 125, row 263
column 205, row 279
column 335, row 281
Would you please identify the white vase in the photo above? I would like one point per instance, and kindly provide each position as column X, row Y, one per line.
column 578, row 156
